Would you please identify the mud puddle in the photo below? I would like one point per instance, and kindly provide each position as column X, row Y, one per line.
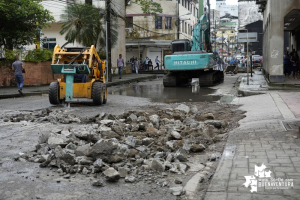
column 155, row 91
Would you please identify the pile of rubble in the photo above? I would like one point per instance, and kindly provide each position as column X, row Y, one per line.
column 131, row 146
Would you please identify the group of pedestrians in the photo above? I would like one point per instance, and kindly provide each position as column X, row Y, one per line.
column 143, row 64
column 291, row 64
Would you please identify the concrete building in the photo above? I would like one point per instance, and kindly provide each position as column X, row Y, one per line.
column 279, row 17
column 256, row 47
column 150, row 36
column 51, row 35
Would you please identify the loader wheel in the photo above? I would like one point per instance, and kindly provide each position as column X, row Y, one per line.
column 54, row 93
column 104, row 94
column 97, row 94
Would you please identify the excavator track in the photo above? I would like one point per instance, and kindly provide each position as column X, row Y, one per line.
column 170, row 80
column 206, row 78
column 210, row 78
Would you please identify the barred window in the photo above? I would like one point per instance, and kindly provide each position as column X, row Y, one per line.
column 168, row 23
column 158, row 23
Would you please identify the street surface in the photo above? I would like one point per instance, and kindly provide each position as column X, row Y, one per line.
column 260, row 138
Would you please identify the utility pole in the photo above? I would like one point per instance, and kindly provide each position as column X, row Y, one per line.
column 178, row 21
column 214, row 27
column 208, row 4
column 215, row 36
column 222, row 44
column 108, row 9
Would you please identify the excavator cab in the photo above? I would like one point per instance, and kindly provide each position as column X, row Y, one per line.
column 180, row 45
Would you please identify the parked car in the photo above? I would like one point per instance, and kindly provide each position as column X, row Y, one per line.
column 256, row 61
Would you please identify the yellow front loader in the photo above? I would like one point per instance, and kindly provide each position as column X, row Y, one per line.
column 82, row 75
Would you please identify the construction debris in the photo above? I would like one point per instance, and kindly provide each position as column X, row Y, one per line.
column 133, row 146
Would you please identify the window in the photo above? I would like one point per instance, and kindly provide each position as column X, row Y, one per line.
column 232, row 31
column 158, row 23
column 129, row 22
column 89, row 2
column 49, row 43
column 168, row 23
column 182, row 2
column 188, row 5
column 197, row 13
column 185, row 3
column 185, row 28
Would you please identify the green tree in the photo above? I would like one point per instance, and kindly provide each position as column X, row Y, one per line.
column 20, row 20
column 149, row 7
column 84, row 24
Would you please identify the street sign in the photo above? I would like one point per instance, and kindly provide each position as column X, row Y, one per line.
column 252, row 37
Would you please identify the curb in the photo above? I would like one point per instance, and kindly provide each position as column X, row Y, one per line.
column 246, row 93
column 108, row 84
column 278, row 86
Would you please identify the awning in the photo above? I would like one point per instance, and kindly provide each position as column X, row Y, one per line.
column 292, row 20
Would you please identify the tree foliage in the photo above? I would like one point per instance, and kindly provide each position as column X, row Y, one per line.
column 84, row 24
column 20, row 20
column 38, row 55
column 150, row 7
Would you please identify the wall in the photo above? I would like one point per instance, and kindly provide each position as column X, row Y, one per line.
column 120, row 47
column 53, row 32
column 274, row 37
column 36, row 74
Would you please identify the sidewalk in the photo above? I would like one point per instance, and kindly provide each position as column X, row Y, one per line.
column 269, row 135
column 12, row 92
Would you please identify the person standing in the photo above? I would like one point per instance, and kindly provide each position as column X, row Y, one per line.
column 132, row 63
column 18, row 67
column 146, row 63
column 294, row 61
column 261, row 63
column 120, row 64
column 157, row 63
column 136, row 64
column 286, row 64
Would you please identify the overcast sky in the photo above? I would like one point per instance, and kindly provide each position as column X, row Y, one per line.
column 228, row 2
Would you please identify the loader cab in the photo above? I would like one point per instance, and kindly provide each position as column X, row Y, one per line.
column 180, row 45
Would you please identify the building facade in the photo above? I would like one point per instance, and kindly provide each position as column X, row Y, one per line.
column 279, row 17
column 150, row 36
column 256, row 47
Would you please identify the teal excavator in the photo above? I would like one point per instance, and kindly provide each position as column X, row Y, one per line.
column 193, row 59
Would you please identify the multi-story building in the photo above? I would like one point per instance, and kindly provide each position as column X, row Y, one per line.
column 226, row 28
column 151, row 36
column 146, row 35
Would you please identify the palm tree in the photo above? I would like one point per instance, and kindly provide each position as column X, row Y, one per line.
column 83, row 23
